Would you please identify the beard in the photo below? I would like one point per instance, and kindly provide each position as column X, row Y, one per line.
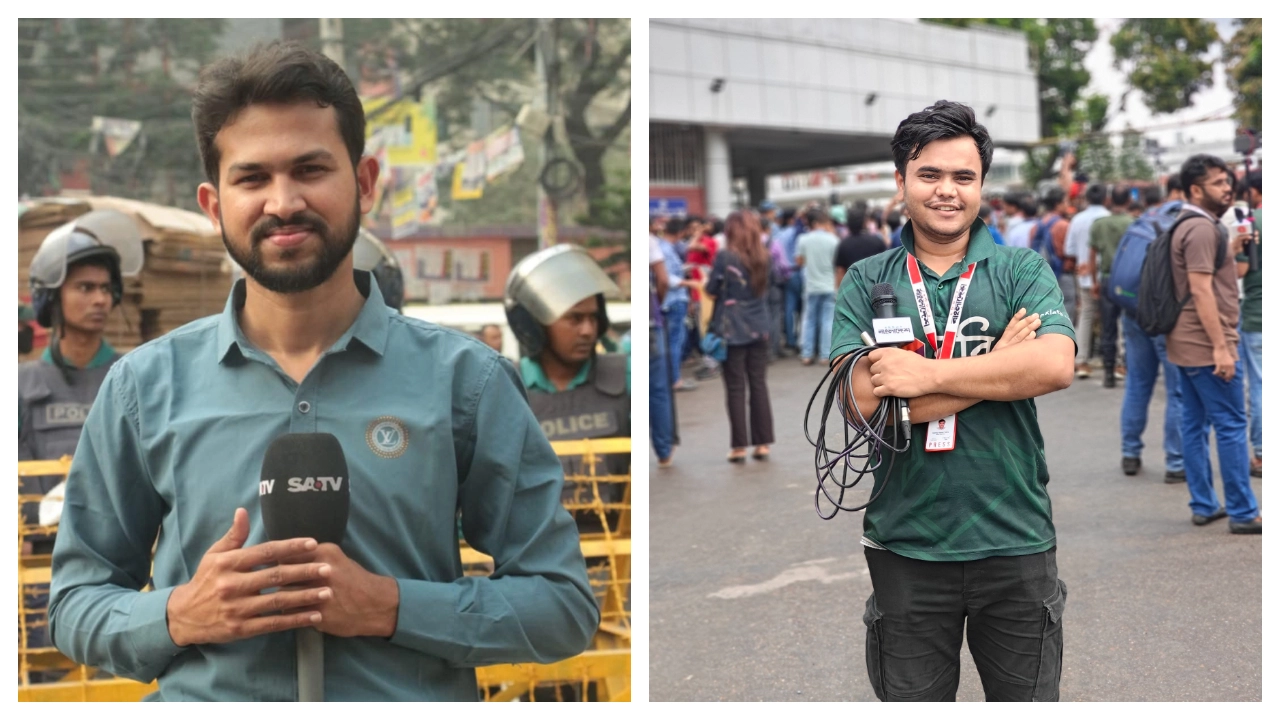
column 301, row 275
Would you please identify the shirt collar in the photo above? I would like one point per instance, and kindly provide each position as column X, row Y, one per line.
column 370, row 327
column 534, row 378
column 99, row 359
column 981, row 246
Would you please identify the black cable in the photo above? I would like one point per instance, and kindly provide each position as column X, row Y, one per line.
column 869, row 439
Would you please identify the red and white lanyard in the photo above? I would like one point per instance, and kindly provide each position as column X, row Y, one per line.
column 925, row 309
column 940, row 435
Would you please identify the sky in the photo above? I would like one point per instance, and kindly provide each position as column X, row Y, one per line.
column 1213, row 101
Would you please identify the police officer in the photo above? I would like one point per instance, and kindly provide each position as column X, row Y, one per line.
column 76, row 279
column 555, row 305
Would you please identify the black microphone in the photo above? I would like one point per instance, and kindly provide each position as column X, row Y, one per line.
column 891, row 331
column 305, row 491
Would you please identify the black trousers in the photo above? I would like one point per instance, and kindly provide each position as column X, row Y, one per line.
column 916, row 618
column 1110, row 314
column 745, row 367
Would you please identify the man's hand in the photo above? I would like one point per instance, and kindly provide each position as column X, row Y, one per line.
column 1021, row 327
column 900, row 373
column 362, row 603
column 1223, row 366
column 224, row 601
column 1238, row 242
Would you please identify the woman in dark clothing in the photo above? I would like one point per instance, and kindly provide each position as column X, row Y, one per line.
column 739, row 282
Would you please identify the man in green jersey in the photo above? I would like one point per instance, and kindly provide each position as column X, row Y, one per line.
column 962, row 528
column 1104, row 239
column 1251, row 327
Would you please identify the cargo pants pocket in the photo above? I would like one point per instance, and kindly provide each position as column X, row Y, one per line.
column 1050, row 673
column 874, row 620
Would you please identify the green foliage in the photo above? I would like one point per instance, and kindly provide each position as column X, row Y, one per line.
column 611, row 208
column 1131, row 164
column 134, row 69
column 591, row 69
column 1243, row 54
column 1058, row 47
column 1165, row 59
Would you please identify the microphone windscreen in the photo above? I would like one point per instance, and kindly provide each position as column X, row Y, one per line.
column 881, row 294
column 305, row 490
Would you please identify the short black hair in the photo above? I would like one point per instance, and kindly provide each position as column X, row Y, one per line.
column 984, row 211
column 1172, row 184
column 940, row 121
column 1095, row 194
column 675, row 225
column 893, row 219
column 1196, row 168
column 1053, row 197
column 1255, row 181
column 1120, row 196
column 277, row 72
column 1029, row 205
column 816, row 216
column 1152, row 195
column 856, row 220
column 788, row 214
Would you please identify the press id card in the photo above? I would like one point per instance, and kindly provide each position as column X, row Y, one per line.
column 941, row 435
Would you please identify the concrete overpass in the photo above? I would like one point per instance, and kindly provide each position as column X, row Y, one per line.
column 734, row 98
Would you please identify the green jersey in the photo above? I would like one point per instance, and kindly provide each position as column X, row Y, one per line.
column 987, row 497
column 1104, row 236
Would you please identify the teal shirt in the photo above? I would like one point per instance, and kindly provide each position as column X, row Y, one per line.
column 101, row 358
column 432, row 422
column 535, row 378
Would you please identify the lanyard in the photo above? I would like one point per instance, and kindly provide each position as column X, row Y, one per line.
column 924, row 308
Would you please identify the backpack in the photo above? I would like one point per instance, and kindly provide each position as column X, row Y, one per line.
column 1126, row 267
column 1158, row 303
column 1042, row 242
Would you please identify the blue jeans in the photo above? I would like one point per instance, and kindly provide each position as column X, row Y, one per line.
column 1206, row 397
column 1251, row 358
column 660, row 420
column 819, row 313
column 673, row 321
column 794, row 303
column 1144, row 356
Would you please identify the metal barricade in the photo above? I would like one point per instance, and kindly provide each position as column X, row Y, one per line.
column 596, row 500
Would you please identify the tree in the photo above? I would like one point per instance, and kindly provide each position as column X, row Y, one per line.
column 1243, row 54
column 136, row 69
column 1058, row 47
column 592, row 71
column 1166, row 59
column 1132, row 163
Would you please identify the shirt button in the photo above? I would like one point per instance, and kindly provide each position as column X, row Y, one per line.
column 304, row 407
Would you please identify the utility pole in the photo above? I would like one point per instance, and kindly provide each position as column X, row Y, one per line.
column 331, row 40
column 546, row 99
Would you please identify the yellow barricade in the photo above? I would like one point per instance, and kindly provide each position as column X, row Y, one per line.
column 599, row 502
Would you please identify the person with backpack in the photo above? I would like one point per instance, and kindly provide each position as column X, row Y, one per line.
column 1077, row 248
column 1204, row 344
column 1049, row 238
column 1104, row 238
column 1145, row 354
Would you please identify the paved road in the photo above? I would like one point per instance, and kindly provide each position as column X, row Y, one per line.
column 753, row 597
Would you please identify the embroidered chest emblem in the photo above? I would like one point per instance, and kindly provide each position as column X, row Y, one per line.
column 387, row 437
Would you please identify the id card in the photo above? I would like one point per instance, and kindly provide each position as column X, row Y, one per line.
column 940, row 436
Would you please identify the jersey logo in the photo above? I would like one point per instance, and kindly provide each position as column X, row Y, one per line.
column 387, row 437
column 973, row 345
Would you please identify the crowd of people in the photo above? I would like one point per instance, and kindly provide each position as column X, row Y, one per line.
column 1076, row 225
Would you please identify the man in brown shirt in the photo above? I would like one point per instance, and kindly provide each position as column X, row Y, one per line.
column 1204, row 347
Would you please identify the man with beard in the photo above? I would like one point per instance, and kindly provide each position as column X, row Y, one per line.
column 1204, row 345
column 960, row 532
column 434, row 424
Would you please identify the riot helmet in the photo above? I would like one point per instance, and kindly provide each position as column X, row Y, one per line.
column 108, row 234
column 545, row 285
column 372, row 255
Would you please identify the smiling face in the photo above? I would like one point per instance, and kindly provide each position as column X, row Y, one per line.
column 943, row 189
column 288, row 203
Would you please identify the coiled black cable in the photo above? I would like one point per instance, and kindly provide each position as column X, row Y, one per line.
column 869, row 441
